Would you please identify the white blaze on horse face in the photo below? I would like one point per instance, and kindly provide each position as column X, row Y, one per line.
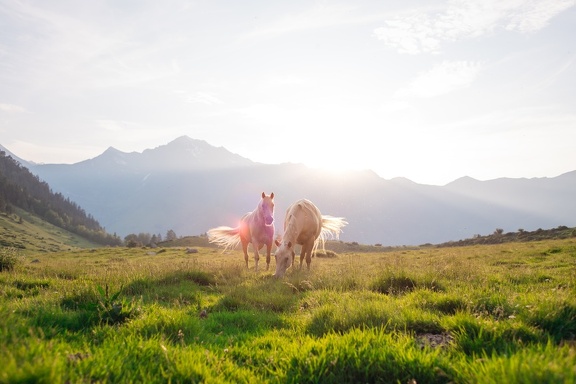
column 284, row 255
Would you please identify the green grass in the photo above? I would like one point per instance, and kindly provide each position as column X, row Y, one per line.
column 25, row 231
column 503, row 313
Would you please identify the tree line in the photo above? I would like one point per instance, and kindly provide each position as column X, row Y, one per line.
column 20, row 188
column 522, row 235
column 146, row 239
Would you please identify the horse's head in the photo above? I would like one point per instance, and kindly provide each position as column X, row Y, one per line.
column 266, row 208
column 284, row 257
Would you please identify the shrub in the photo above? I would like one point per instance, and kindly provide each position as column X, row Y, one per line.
column 8, row 259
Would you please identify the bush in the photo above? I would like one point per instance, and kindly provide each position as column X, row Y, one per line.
column 8, row 259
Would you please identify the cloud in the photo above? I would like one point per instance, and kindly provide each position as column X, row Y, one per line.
column 76, row 47
column 202, row 98
column 535, row 15
column 51, row 152
column 444, row 78
column 411, row 34
column 11, row 108
column 319, row 16
column 112, row 125
column 425, row 31
column 262, row 112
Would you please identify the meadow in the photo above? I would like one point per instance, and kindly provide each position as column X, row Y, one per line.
column 501, row 313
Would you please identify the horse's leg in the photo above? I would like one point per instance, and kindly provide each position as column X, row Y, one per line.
column 308, row 257
column 245, row 250
column 268, row 250
column 256, row 254
column 307, row 252
column 302, row 254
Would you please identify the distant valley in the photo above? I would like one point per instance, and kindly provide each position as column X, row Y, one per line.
column 190, row 186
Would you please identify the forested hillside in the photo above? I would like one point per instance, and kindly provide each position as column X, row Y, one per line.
column 20, row 188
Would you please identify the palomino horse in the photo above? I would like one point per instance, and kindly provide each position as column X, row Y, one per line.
column 256, row 227
column 306, row 226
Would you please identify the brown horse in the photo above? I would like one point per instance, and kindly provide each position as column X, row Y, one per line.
column 256, row 227
column 306, row 226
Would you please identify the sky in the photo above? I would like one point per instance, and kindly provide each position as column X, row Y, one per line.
column 427, row 90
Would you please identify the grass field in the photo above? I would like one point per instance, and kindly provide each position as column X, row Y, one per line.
column 23, row 230
column 481, row 314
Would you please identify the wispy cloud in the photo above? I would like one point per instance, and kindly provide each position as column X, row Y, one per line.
column 262, row 112
column 444, row 78
column 410, row 34
column 536, row 14
column 75, row 48
column 319, row 16
column 425, row 31
column 135, row 135
column 52, row 152
column 11, row 108
column 200, row 97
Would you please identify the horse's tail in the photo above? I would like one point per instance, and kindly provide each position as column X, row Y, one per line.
column 224, row 236
column 331, row 228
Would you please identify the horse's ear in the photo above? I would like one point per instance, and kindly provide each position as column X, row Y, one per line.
column 277, row 242
column 272, row 195
column 263, row 195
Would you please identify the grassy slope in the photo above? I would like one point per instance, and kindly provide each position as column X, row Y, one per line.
column 28, row 232
column 499, row 313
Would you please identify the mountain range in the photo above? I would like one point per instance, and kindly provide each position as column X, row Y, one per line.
column 190, row 186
